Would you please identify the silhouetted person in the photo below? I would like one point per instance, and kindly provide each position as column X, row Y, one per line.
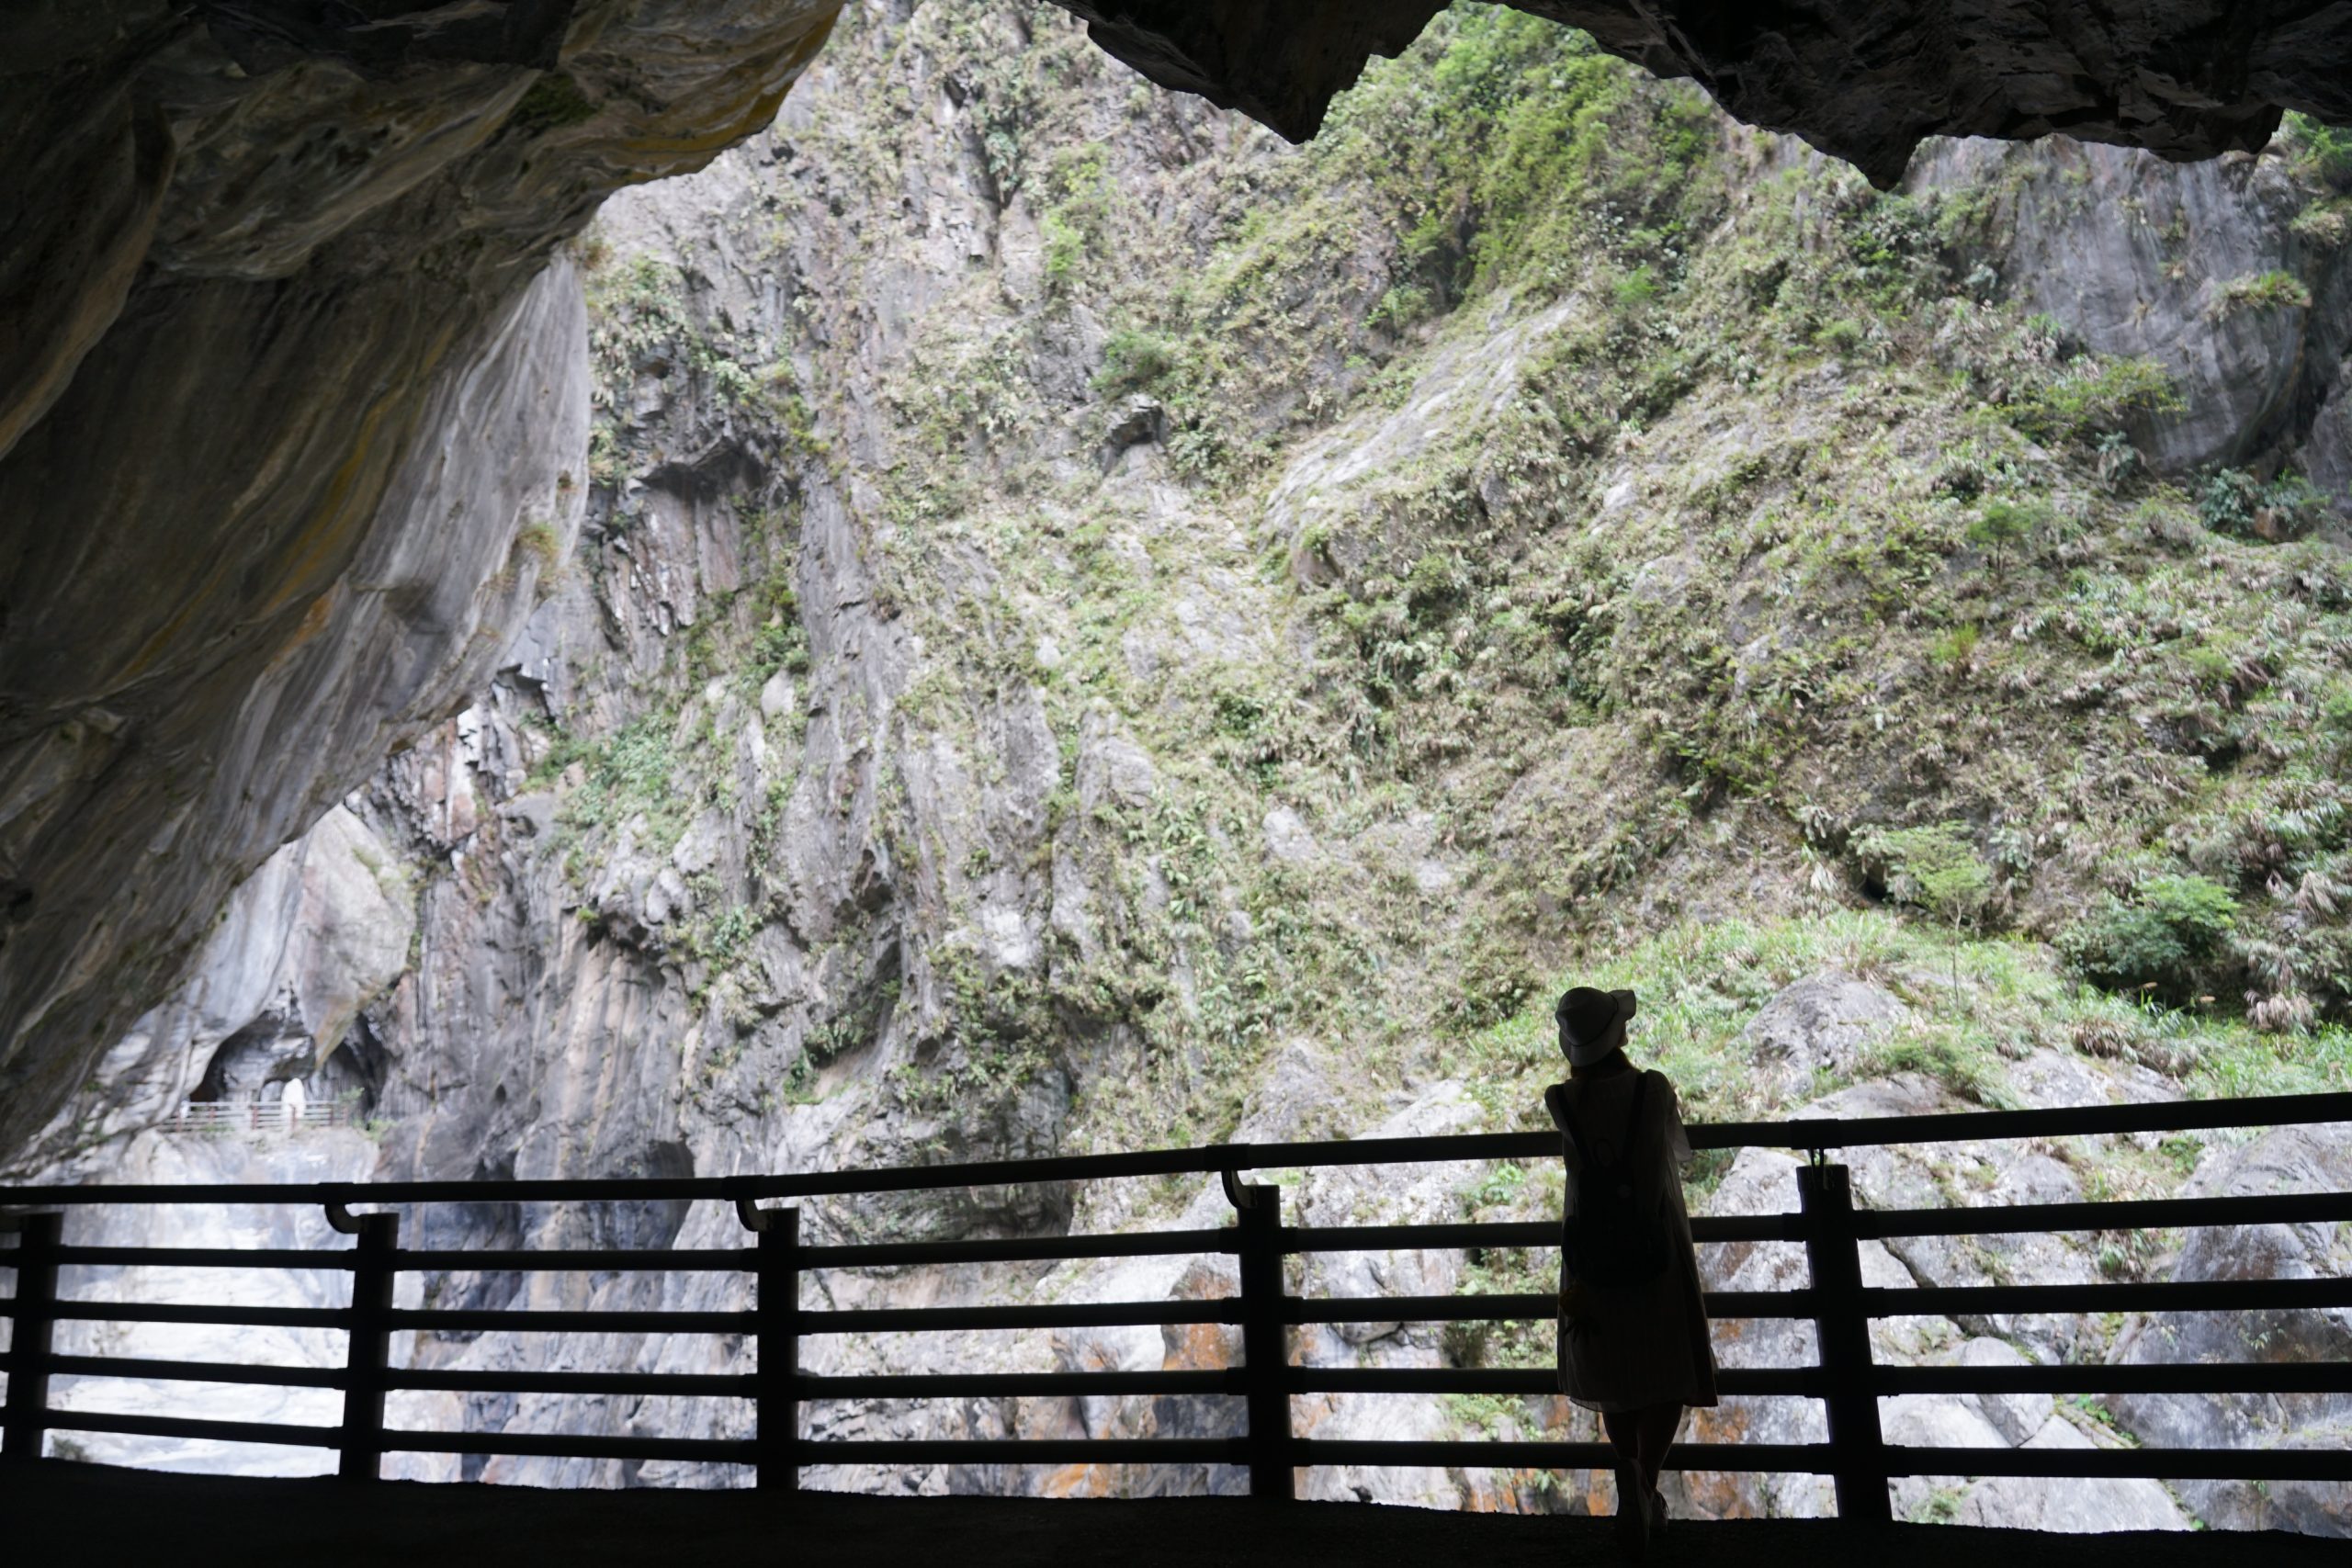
column 1633, row 1331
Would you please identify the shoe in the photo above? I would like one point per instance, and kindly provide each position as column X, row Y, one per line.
column 1658, row 1512
column 1633, row 1517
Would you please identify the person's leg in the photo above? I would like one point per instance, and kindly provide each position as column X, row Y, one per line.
column 1624, row 1429
column 1652, row 1434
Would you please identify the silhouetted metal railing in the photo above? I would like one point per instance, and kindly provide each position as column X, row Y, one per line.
column 1847, row 1381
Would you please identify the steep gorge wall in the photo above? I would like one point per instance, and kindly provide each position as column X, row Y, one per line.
column 951, row 736
column 265, row 290
column 249, row 242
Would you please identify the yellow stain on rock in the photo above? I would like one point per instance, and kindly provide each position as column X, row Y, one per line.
column 762, row 108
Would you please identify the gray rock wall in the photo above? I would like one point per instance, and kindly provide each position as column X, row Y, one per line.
column 2136, row 257
column 135, row 808
column 259, row 258
column 735, row 863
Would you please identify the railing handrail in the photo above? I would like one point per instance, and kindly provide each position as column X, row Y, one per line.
column 1810, row 1134
column 1827, row 1224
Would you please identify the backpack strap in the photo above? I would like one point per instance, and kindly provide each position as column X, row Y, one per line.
column 1634, row 1122
column 1568, row 1121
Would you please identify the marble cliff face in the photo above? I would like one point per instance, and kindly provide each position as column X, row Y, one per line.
column 252, row 246
column 1013, row 612
column 268, row 289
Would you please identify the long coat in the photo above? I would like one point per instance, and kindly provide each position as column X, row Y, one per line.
column 1634, row 1346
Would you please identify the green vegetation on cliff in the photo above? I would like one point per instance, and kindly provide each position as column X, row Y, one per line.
column 1538, row 529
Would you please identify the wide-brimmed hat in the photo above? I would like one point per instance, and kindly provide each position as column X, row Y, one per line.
column 1587, row 1017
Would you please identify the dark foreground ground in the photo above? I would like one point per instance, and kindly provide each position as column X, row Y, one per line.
column 60, row 1513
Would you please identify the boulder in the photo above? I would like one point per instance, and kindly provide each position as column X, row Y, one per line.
column 1818, row 1025
column 2290, row 1159
column 1287, row 836
column 2017, row 1416
column 2070, row 1505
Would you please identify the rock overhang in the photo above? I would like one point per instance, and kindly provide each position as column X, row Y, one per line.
column 297, row 220
column 1864, row 82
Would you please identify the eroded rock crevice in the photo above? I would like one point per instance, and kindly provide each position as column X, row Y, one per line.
column 253, row 249
column 1075, row 624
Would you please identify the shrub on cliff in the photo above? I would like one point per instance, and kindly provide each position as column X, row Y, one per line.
column 2161, row 939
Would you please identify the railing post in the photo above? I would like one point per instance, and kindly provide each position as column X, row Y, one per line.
column 1265, row 1339
column 25, row 1419
column 361, row 1445
column 775, row 1381
column 1857, row 1449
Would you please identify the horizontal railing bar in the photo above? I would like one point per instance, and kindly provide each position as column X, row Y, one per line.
column 207, row 1257
column 2071, row 1120
column 1083, row 1314
column 559, row 1445
column 2203, row 1295
column 2163, row 1213
column 464, row 1320
column 191, row 1426
column 1020, row 1451
column 1496, row 1308
column 1518, row 1307
column 582, row 1260
column 1770, row 1459
column 2185, row 1464
column 1015, row 1385
column 888, row 1254
column 1530, row 1381
column 2120, row 1465
column 1747, row 1227
column 2203, row 1377
column 238, row 1316
column 1813, row 1132
column 2234, row 1377
column 1515, row 1233
column 2249, row 1465
column 1387, row 1238
column 719, row 1385
column 1422, row 1380
column 196, row 1371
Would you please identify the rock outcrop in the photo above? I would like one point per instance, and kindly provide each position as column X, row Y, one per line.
column 1817, row 1027
column 2288, row 1160
column 2137, row 259
column 1076, row 625
column 249, row 244
column 281, row 398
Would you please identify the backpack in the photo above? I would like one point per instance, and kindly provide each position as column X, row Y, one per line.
column 1609, row 1241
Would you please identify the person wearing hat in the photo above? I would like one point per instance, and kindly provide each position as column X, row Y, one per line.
column 1633, row 1326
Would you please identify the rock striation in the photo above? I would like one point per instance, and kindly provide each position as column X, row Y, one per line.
column 280, row 398
column 924, row 741
column 254, row 246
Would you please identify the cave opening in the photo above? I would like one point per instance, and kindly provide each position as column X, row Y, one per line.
column 1003, row 609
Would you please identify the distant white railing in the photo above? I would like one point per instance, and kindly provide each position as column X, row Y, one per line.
column 259, row 1117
